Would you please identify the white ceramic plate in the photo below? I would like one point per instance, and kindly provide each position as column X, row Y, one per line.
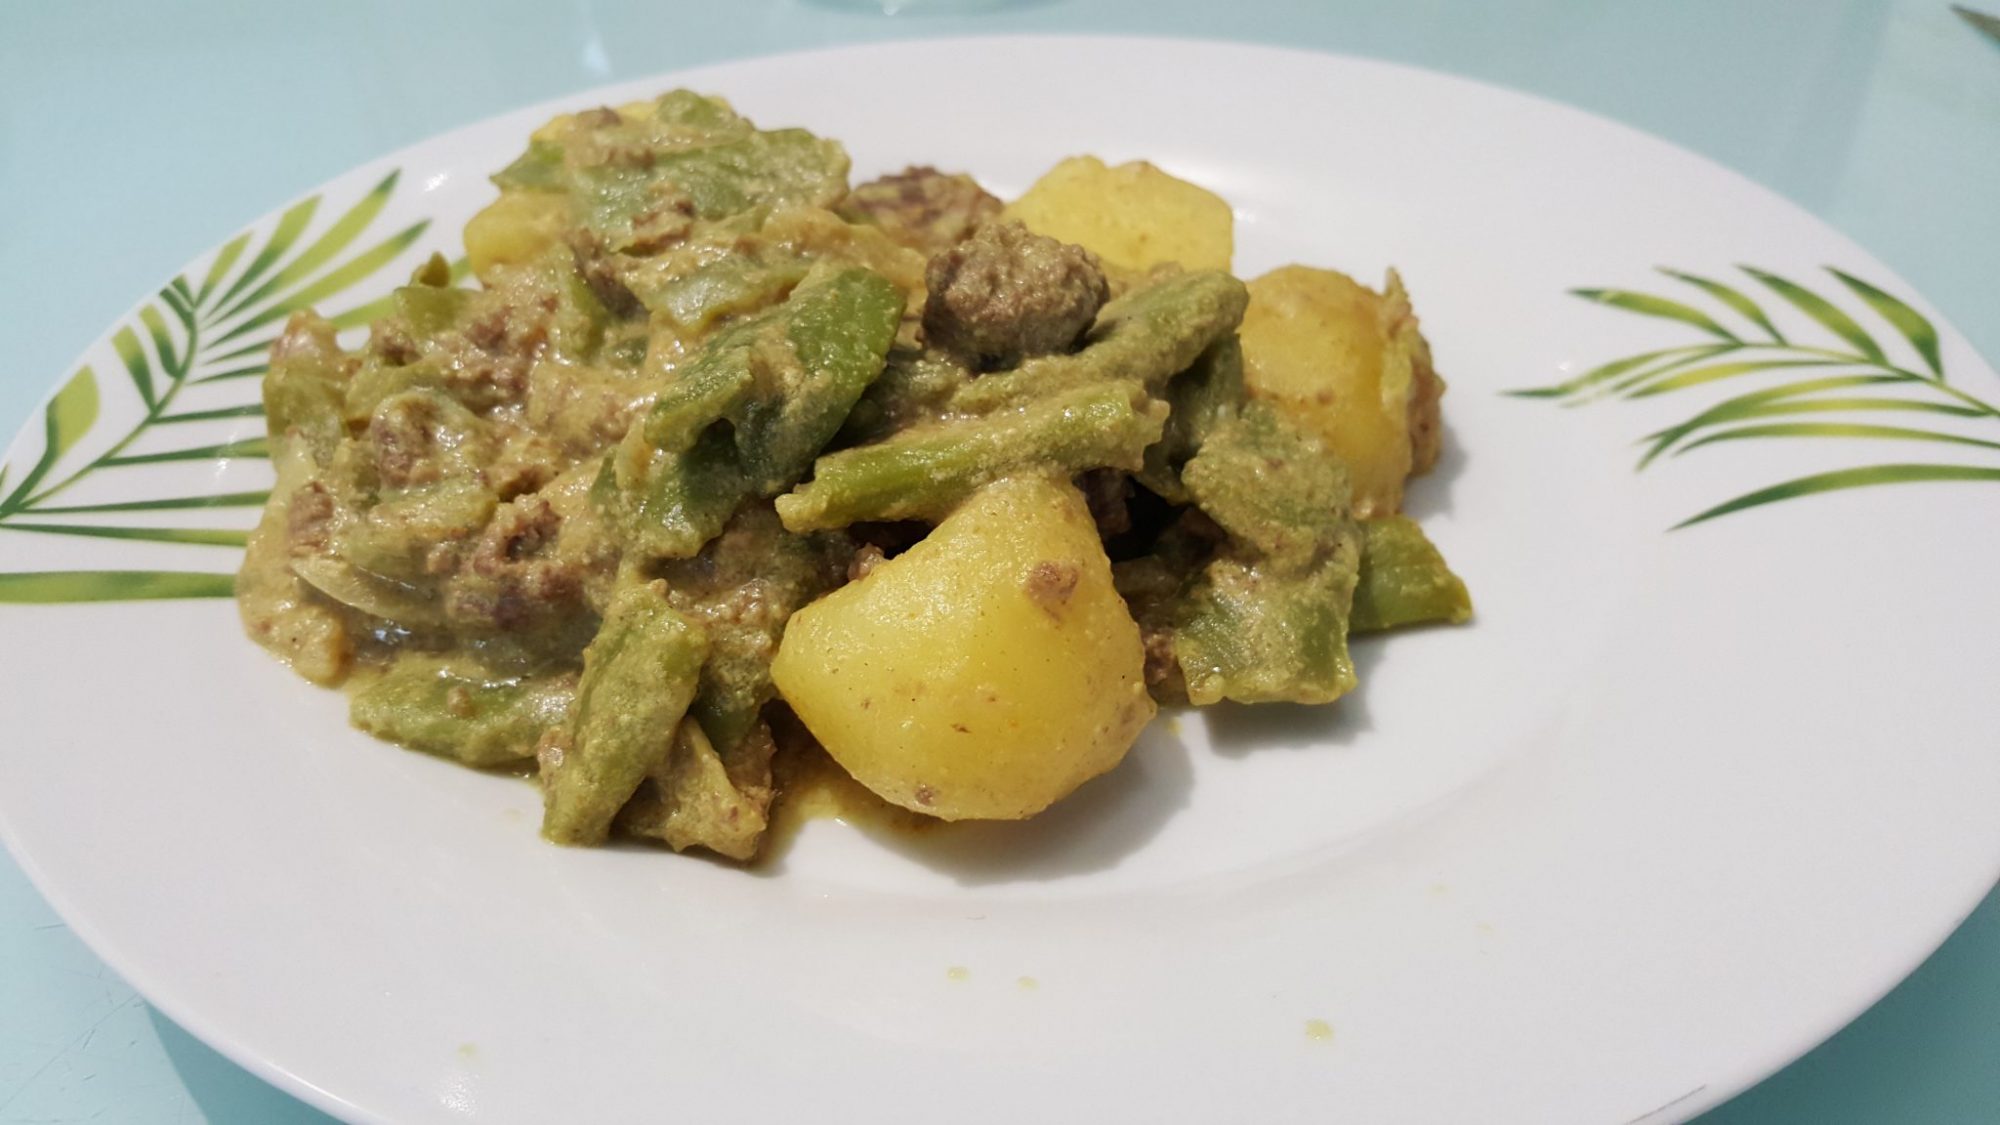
column 1679, row 804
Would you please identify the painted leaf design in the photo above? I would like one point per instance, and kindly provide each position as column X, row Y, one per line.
column 67, row 417
column 173, row 503
column 1734, row 298
column 1780, row 408
column 364, row 264
column 336, row 238
column 290, row 225
column 1844, row 479
column 194, row 536
column 126, row 343
column 47, row 587
column 219, row 269
column 1649, row 305
column 1836, row 429
column 245, row 447
column 1606, row 372
column 1656, row 384
column 1823, row 311
column 1871, row 385
column 221, row 326
column 1918, row 330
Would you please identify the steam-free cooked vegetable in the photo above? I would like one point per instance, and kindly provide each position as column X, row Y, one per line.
column 1348, row 363
column 984, row 673
column 1134, row 216
column 968, row 489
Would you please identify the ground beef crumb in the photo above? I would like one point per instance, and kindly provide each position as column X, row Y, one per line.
column 1108, row 492
column 1162, row 668
column 309, row 517
column 1007, row 294
column 1050, row 584
column 922, row 208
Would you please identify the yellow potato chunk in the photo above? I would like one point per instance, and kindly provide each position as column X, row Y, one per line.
column 1133, row 216
column 982, row 674
column 1347, row 363
column 514, row 229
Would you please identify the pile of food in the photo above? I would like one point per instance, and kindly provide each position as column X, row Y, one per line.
column 961, row 491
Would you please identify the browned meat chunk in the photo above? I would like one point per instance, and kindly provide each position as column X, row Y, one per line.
column 1006, row 294
column 1109, row 494
column 922, row 208
column 482, row 359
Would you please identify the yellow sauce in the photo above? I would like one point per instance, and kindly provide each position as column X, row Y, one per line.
column 958, row 973
column 812, row 786
column 1319, row 1030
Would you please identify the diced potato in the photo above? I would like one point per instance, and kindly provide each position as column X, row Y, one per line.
column 984, row 673
column 1133, row 216
column 514, row 229
column 1344, row 361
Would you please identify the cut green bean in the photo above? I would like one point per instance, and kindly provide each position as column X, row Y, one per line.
column 924, row 473
column 639, row 676
column 741, row 589
column 1204, row 397
column 689, row 800
column 1267, row 619
column 1147, row 336
column 748, row 414
column 839, row 332
column 1404, row 580
column 455, row 710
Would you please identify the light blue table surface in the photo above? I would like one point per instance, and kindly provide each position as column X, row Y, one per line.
column 133, row 136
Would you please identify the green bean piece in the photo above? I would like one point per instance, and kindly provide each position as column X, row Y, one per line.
column 538, row 169
column 581, row 322
column 456, row 710
column 687, row 498
column 431, row 310
column 924, row 472
column 702, row 161
column 1204, row 397
column 1255, row 632
column 746, row 416
column 1147, row 336
column 691, row 800
column 914, row 387
column 305, row 387
column 639, row 676
column 839, row 332
column 635, row 184
column 1404, row 580
column 1274, row 489
column 1267, row 619
column 695, row 300
column 741, row 589
column 715, row 385
column 393, row 536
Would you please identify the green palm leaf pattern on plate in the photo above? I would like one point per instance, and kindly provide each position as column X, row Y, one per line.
column 193, row 333
column 1799, row 397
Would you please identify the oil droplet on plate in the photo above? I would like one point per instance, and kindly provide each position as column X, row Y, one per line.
column 1027, row 984
column 1319, row 1030
column 468, row 1051
column 958, row 972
